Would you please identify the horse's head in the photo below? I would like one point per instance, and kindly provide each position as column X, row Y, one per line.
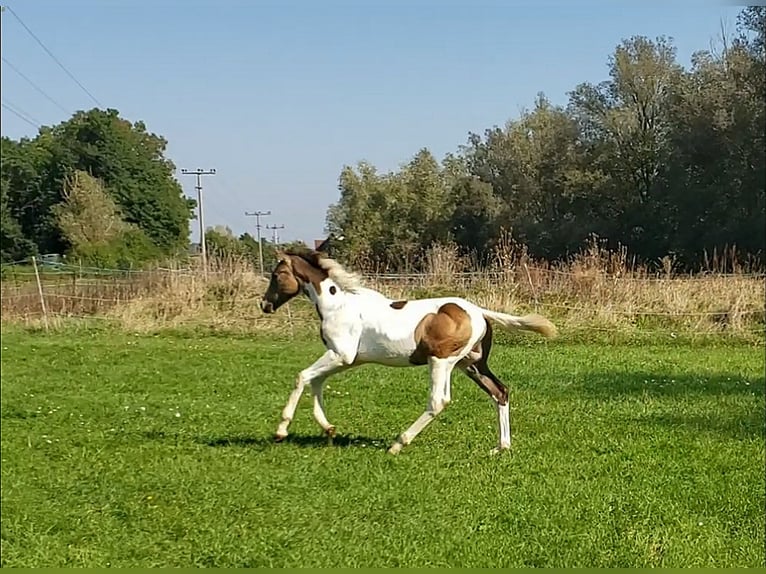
column 284, row 285
column 294, row 273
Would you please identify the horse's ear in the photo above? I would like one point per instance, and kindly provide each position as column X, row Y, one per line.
column 324, row 246
column 283, row 257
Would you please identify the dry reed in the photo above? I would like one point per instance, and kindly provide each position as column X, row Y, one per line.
column 596, row 290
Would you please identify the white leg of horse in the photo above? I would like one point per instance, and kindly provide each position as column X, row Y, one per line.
column 440, row 374
column 326, row 365
column 447, row 392
column 504, row 427
column 289, row 410
column 319, row 415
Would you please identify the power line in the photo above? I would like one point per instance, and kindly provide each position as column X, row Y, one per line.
column 31, row 123
column 232, row 190
column 199, row 173
column 19, row 110
column 54, row 58
column 35, row 86
column 20, row 113
column 258, row 215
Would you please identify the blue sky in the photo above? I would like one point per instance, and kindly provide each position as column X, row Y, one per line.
column 279, row 95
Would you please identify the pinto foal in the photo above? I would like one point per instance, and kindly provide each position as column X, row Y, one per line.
column 360, row 325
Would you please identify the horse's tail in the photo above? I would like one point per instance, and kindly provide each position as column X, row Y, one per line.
column 533, row 322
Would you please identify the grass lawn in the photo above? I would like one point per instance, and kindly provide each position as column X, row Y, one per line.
column 129, row 450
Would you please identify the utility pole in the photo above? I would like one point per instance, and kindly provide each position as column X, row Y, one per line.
column 275, row 236
column 199, row 173
column 258, row 215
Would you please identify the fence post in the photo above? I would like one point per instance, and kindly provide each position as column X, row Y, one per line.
column 290, row 320
column 40, row 291
column 534, row 291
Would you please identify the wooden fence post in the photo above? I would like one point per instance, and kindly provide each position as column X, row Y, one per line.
column 290, row 321
column 40, row 291
column 534, row 291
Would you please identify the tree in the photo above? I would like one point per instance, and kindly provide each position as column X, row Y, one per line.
column 220, row 242
column 474, row 219
column 13, row 245
column 628, row 120
column 132, row 165
column 92, row 224
column 541, row 184
column 752, row 31
column 719, row 165
column 123, row 155
column 27, row 199
column 359, row 213
column 390, row 219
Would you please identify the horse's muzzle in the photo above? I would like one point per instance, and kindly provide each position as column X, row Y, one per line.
column 267, row 306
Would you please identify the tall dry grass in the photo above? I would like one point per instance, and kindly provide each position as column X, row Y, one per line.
column 596, row 290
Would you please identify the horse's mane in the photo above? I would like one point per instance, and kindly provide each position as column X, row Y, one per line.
column 346, row 280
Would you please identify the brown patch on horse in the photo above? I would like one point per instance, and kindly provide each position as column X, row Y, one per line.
column 441, row 334
column 398, row 304
column 306, row 268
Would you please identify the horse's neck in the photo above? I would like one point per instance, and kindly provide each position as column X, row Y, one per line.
column 331, row 299
column 328, row 299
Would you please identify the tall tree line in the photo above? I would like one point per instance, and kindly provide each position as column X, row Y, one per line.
column 94, row 165
column 658, row 158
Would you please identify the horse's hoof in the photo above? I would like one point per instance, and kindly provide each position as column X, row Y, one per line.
column 330, row 432
column 279, row 437
column 395, row 448
column 498, row 449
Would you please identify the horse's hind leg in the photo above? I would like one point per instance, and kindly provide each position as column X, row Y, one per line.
column 498, row 391
column 480, row 373
column 441, row 369
column 326, row 365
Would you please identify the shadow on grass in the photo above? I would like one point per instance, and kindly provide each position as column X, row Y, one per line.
column 615, row 385
column 741, row 419
column 303, row 441
column 743, row 426
column 263, row 442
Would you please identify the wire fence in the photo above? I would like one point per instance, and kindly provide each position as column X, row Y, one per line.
column 588, row 299
column 23, row 269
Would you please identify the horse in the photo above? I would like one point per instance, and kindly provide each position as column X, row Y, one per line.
column 361, row 326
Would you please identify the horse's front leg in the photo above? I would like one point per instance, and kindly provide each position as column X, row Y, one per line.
column 317, row 386
column 326, row 365
column 441, row 370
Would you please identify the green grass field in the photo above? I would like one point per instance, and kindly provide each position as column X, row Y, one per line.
column 129, row 450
